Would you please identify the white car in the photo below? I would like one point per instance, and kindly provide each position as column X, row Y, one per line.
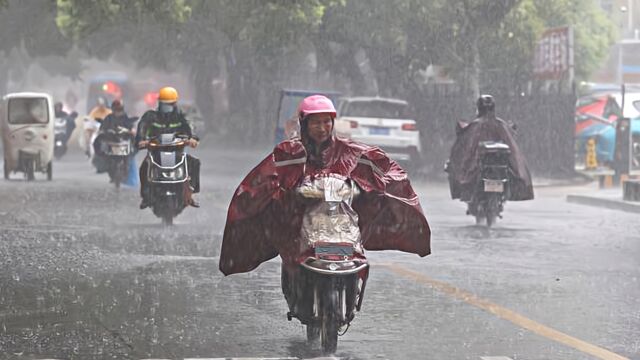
column 382, row 122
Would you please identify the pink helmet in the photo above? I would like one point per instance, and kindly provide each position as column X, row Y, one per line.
column 316, row 104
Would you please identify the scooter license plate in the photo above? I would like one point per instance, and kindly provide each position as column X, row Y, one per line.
column 333, row 250
column 121, row 150
column 495, row 186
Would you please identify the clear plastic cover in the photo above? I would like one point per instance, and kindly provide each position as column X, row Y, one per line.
column 331, row 219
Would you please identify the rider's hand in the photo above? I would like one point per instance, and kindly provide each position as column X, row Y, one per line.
column 143, row 144
column 193, row 143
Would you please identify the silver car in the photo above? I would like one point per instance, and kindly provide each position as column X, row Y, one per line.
column 382, row 122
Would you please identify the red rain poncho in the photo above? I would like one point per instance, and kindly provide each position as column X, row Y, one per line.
column 264, row 218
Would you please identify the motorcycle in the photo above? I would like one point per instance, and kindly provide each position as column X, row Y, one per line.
column 324, row 286
column 60, row 137
column 168, row 175
column 492, row 190
column 117, row 147
column 61, row 134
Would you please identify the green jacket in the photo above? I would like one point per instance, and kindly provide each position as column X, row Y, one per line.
column 154, row 123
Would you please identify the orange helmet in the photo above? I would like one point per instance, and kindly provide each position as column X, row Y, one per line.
column 168, row 95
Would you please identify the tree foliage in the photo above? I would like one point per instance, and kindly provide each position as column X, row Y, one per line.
column 30, row 33
column 258, row 44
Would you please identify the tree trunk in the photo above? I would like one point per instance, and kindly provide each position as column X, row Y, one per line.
column 380, row 66
column 341, row 64
column 4, row 77
column 202, row 79
column 234, row 81
column 473, row 71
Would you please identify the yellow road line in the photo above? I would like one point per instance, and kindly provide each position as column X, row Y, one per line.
column 507, row 314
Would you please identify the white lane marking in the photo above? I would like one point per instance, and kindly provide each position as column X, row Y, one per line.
column 243, row 358
column 282, row 358
column 495, row 358
column 182, row 258
column 257, row 358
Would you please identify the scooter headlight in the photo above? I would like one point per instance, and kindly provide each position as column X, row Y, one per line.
column 175, row 174
column 179, row 172
column 169, row 174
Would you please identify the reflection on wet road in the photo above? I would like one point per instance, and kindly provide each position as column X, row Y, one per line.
column 84, row 274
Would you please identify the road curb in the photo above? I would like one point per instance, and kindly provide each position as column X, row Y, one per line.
column 605, row 203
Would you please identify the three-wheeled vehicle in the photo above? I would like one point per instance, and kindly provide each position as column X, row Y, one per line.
column 28, row 134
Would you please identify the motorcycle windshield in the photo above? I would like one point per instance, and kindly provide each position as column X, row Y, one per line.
column 330, row 218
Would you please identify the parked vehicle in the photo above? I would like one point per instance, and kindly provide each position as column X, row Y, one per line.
column 596, row 117
column 325, row 287
column 382, row 122
column 492, row 190
column 28, row 134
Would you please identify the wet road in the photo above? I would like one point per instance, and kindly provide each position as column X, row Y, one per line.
column 84, row 274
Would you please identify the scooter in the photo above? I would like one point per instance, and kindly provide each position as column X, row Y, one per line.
column 325, row 285
column 60, row 137
column 117, row 146
column 168, row 175
column 61, row 134
column 492, row 190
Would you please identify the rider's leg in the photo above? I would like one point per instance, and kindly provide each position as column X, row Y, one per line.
column 144, row 184
column 194, row 172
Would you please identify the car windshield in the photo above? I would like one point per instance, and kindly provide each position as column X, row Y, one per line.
column 28, row 111
column 376, row 109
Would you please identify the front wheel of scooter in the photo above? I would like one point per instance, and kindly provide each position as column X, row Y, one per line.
column 329, row 326
column 167, row 219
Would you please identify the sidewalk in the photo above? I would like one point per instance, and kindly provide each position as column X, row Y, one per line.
column 605, row 198
column 539, row 182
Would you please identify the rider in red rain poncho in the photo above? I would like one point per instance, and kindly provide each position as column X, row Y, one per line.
column 265, row 218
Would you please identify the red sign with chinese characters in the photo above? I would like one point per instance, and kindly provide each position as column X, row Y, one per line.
column 553, row 58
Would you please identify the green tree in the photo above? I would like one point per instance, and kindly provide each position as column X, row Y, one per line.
column 594, row 33
column 30, row 33
column 258, row 44
column 250, row 37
